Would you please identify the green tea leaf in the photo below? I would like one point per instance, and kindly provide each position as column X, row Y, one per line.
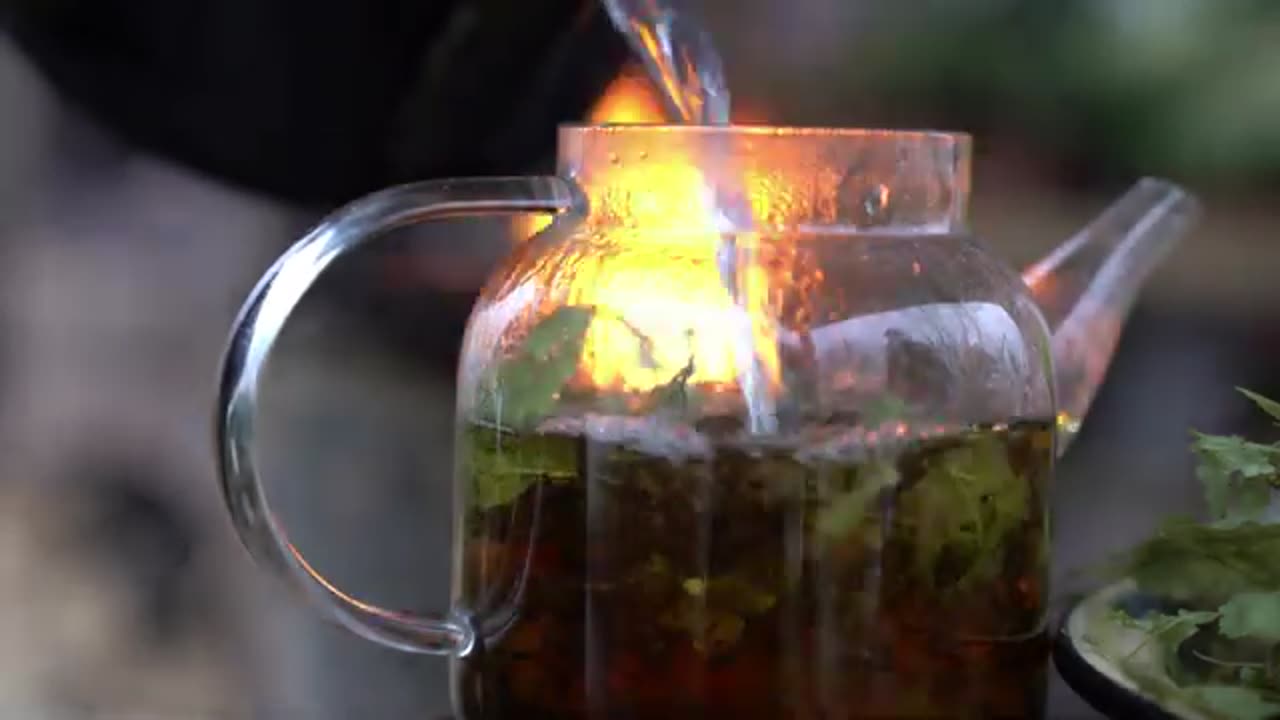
column 1266, row 405
column 563, row 327
column 528, row 383
column 961, row 512
column 502, row 466
column 1253, row 614
column 848, row 511
column 1233, row 703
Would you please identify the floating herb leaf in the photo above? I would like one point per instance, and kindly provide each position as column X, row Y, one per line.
column 527, row 384
column 503, row 466
column 961, row 512
column 847, row 512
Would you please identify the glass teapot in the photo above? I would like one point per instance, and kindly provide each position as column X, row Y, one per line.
column 752, row 428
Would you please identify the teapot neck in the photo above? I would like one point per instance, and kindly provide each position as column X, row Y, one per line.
column 711, row 178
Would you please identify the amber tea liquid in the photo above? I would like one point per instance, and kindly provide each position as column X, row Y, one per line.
column 756, row 582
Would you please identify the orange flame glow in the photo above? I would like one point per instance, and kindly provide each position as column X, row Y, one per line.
column 630, row 98
column 655, row 311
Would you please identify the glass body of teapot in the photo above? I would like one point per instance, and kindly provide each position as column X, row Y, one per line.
column 752, row 429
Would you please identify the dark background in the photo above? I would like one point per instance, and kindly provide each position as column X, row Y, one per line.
column 152, row 165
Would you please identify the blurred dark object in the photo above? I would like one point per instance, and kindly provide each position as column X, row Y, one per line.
column 318, row 102
column 132, row 526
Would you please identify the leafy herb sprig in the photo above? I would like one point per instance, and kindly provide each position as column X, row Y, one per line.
column 1215, row 645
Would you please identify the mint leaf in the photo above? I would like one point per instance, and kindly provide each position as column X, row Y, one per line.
column 503, row 466
column 1169, row 630
column 1237, row 476
column 528, row 384
column 1266, row 405
column 1189, row 562
column 1233, row 564
column 1253, row 614
column 562, row 328
column 1233, row 703
column 958, row 515
column 847, row 512
column 1237, row 455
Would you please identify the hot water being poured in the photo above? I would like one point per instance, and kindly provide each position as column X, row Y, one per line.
column 1085, row 288
column 685, row 66
column 753, row 429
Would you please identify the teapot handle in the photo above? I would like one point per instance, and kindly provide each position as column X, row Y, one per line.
column 253, row 336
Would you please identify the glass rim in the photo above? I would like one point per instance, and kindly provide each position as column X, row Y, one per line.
column 815, row 131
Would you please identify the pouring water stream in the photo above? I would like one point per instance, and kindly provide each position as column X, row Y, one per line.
column 685, row 66
column 1086, row 288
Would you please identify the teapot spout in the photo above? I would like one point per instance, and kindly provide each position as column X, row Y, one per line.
column 1088, row 285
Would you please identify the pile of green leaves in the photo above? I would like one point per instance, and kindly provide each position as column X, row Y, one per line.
column 1215, row 642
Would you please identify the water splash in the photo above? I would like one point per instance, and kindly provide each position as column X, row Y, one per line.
column 683, row 62
column 679, row 57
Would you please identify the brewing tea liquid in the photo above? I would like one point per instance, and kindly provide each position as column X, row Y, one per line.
column 739, row 581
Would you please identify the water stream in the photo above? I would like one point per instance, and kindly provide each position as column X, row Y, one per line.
column 684, row 64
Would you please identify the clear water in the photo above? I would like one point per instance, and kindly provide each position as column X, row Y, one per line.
column 684, row 64
column 679, row 56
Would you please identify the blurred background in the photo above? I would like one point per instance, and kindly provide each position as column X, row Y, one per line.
column 155, row 158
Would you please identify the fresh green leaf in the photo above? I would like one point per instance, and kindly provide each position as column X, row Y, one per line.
column 1231, row 669
column 563, row 326
column 502, row 466
column 527, row 384
column 1253, row 614
column 1233, row 703
column 1189, row 562
column 848, row 511
column 1169, row 631
column 1237, row 476
column 958, row 516
column 1266, row 405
